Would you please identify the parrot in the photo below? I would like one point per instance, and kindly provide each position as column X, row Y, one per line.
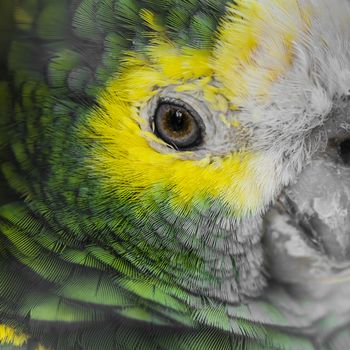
column 175, row 174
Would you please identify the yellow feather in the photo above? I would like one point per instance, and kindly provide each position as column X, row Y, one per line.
column 255, row 44
column 151, row 20
column 9, row 335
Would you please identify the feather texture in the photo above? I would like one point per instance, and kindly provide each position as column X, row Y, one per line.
column 137, row 263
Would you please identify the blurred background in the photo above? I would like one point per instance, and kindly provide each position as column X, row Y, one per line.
column 6, row 28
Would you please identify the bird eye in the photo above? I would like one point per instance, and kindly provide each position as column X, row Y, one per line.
column 178, row 125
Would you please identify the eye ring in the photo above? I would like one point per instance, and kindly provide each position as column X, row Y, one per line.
column 178, row 124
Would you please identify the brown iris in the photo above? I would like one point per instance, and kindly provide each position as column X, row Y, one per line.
column 177, row 125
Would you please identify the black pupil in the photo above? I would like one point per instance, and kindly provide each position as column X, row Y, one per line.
column 177, row 120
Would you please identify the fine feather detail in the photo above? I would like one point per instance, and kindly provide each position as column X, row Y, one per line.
column 119, row 241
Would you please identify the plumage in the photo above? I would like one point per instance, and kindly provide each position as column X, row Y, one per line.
column 112, row 237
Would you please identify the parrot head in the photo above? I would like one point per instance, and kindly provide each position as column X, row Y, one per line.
column 193, row 169
column 194, row 143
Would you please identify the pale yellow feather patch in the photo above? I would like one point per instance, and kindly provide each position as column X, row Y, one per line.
column 255, row 45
